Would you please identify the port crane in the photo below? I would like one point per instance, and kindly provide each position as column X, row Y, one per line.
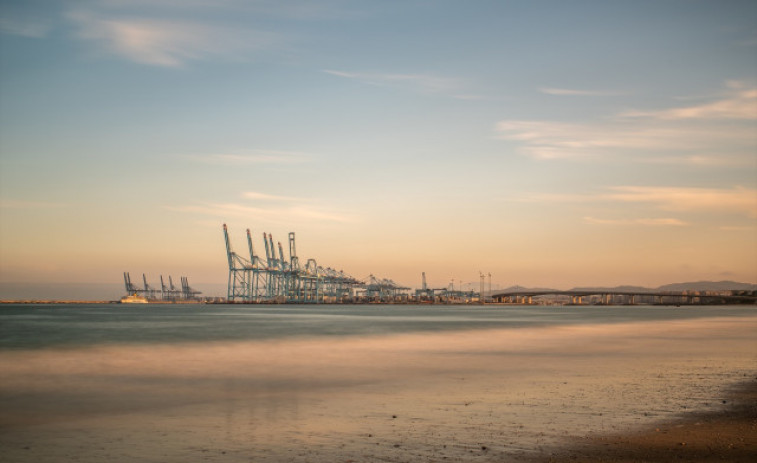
column 283, row 279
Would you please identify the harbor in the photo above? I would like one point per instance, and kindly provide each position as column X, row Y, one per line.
column 276, row 279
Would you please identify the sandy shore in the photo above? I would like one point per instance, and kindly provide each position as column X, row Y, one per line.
column 485, row 395
column 700, row 436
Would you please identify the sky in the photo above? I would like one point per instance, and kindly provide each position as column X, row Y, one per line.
column 549, row 143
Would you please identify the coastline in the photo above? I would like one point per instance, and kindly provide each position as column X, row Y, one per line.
column 87, row 302
column 212, row 301
column 701, row 435
column 54, row 301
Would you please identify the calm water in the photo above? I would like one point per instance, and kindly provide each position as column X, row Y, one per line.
column 317, row 384
column 41, row 326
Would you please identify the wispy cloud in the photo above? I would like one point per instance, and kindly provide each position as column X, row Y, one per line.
column 170, row 43
column 736, row 200
column 270, row 197
column 269, row 208
column 573, row 92
column 172, row 33
column 740, row 102
column 250, row 157
column 23, row 27
column 347, row 75
column 695, row 135
column 739, row 200
column 416, row 82
column 701, row 160
column 653, row 222
column 273, row 214
column 555, row 198
column 558, row 140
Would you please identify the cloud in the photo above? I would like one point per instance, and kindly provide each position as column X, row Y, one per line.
column 735, row 200
column 556, row 198
column 558, row 140
column 24, row 27
column 570, row 92
column 740, row 102
column 693, row 135
column 417, row 82
column 168, row 43
column 739, row 200
column 273, row 214
column 657, row 222
column 269, row 197
column 269, row 208
column 700, row 160
column 347, row 75
column 251, row 157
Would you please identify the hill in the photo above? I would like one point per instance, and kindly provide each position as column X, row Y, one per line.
column 689, row 286
column 709, row 286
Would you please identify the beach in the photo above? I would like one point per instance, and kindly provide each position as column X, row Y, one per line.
column 698, row 436
column 537, row 393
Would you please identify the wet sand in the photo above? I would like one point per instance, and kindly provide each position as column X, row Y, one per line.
column 701, row 436
column 484, row 395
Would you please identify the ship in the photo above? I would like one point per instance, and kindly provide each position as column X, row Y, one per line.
column 133, row 299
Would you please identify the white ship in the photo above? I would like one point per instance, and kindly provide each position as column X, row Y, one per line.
column 133, row 299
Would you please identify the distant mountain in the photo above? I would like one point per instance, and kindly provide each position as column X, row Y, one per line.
column 690, row 286
column 629, row 289
column 517, row 288
column 709, row 286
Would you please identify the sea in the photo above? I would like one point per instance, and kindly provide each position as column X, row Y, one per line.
column 370, row 383
column 31, row 326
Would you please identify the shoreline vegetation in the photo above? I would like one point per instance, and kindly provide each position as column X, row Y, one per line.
column 728, row 434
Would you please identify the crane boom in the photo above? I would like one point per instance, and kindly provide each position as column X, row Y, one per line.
column 267, row 250
column 229, row 252
column 273, row 250
column 294, row 262
column 281, row 256
column 249, row 245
